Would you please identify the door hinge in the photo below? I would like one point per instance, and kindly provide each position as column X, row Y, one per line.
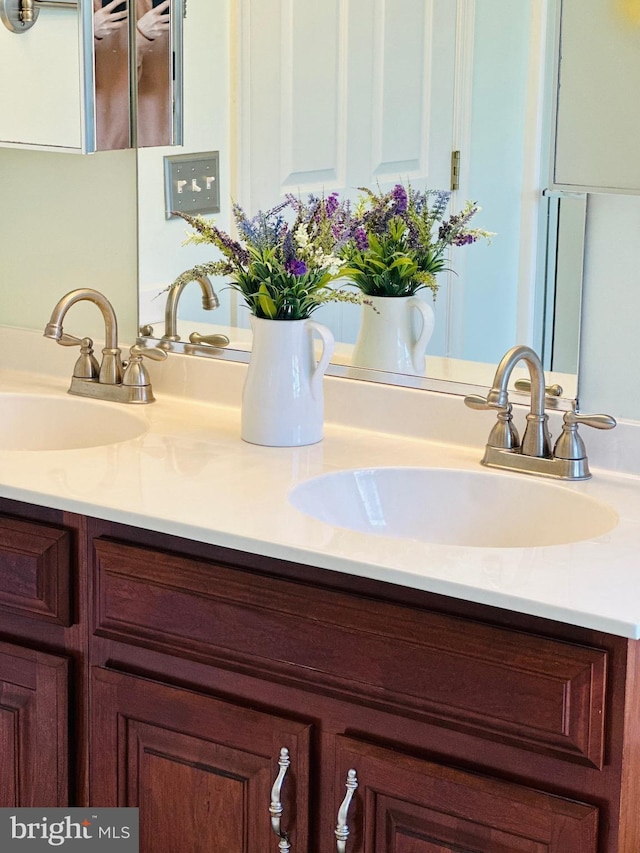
column 455, row 170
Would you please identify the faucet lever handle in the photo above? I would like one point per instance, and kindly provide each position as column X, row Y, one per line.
column 595, row 421
column 211, row 340
column 504, row 434
column 66, row 340
column 550, row 391
column 569, row 444
column 136, row 379
column 475, row 401
column 154, row 353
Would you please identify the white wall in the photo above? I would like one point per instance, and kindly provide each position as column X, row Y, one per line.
column 68, row 221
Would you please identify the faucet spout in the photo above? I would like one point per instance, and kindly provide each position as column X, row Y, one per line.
column 111, row 367
column 54, row 326
column 536, row 439
column 209, row 302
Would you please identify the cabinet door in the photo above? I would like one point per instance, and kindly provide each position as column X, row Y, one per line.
column 409, row 805
column 201, row 770
column 598, row 119
column 33, row 728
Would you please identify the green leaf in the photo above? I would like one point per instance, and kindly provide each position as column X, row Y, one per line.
column 402, row 262
column 267, row 305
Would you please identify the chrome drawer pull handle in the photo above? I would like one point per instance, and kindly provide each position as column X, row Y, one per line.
column 275, row 809
column 342, row 829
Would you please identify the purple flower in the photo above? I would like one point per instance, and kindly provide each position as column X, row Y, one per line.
column 331, row 204
column 464, row 239
column 444, row 232
column 400, row 198
column 296, row 267
column 440, row 204
column 361, row 239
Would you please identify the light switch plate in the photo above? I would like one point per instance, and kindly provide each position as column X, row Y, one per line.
column 192, row 183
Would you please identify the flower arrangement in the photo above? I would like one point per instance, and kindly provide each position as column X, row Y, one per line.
column 400, row 238
column 282, row 266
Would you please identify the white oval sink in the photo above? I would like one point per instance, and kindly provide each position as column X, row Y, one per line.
column 451, row 507
column 41, row 422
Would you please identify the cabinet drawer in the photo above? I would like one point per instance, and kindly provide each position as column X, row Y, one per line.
column 35, row 570
column 531, row 691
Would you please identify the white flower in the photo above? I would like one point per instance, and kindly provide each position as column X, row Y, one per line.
column 302, row 236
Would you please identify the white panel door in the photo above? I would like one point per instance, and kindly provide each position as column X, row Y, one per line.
column 344, row 93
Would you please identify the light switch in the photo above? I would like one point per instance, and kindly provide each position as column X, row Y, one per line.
column 192, row 183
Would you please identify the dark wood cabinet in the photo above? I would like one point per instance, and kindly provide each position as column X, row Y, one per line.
column 34, row 722
column 34, row 685
column 408, row 805
column 200, row 769
column 190, row 668
column 34, row 570
column 43, row 653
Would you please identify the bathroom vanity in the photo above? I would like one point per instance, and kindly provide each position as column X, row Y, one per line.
column 141, row 669
column 170, row 623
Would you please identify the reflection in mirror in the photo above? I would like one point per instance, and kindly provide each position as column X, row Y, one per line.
column 41, row 68
column 397, row 91
column 112, row 103
column 81, row 87
column 562, row 294
column 150, row 65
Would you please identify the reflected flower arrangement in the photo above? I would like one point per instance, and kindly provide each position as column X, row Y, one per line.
column 400, row 239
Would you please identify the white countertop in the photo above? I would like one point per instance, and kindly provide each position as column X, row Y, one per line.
column 189, row 474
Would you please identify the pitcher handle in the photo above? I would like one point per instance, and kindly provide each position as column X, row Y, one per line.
column 419, row 347
column 328, row 343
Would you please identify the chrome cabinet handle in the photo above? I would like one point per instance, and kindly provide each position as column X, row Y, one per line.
column 276, row 809
column 342, row 829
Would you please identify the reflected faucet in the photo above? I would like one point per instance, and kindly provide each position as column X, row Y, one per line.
column 210, row 301
column 533, row 455
column 108, row 380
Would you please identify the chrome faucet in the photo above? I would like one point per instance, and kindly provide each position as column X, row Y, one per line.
column 111, row 379
column 171, row 339
column 210, row 302
column 536, row 439
column 110, row 370
column 533, row 455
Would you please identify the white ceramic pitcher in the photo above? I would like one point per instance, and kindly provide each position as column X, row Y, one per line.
column 388, row 340
column 282, row 399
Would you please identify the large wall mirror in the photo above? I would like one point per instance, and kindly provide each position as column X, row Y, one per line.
column 89, row 76
column 339, row 95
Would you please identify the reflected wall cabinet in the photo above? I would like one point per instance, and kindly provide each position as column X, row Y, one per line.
column 47, row 80
column 598, row 113
column 82, row 81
